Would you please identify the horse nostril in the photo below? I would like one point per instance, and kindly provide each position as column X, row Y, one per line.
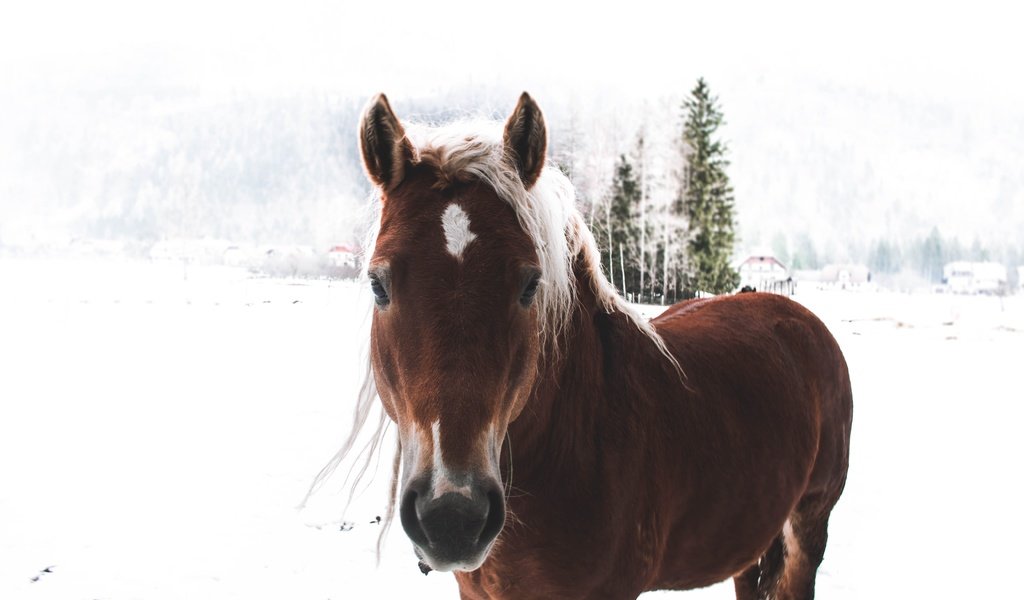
column 495, row 516
column 411, row 520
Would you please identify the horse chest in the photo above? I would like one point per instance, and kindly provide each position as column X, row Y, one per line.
column 570, row 549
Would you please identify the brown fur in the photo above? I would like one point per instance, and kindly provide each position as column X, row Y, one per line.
column 620, row 478
column 423, row 350
column 629, row 482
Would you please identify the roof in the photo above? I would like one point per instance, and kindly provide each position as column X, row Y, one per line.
column 762, row 259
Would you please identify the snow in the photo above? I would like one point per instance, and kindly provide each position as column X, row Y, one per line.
column 160, row 424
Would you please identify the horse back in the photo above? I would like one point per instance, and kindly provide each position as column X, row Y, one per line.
column 753, row 360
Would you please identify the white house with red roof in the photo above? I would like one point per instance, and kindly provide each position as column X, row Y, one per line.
column 342, row 255
column 760, row 270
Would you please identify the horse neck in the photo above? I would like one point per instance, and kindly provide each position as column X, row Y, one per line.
column 573, row 403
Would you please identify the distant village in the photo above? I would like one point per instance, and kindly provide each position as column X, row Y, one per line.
column 339, row 261
column 762, row 271
column 759, row 270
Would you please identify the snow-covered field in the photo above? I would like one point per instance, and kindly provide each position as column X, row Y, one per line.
column 159, row 426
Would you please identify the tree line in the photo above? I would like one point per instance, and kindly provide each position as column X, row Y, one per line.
column 927, row 255
column 158, row 164
column 660, row 248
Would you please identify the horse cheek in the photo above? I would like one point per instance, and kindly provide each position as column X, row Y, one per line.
column 523, row 376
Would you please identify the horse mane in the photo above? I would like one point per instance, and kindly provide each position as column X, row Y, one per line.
column 473, row 150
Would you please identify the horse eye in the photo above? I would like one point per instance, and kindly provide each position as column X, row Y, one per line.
column 526, row 299
column 380, row 295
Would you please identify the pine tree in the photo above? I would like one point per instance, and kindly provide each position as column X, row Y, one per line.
column 978, row 253
column 932, row 253
column 806, row 255
column 620, row 251
column 884, row 257
column 706, row 198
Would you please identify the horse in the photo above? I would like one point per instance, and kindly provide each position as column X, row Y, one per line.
column 553, row 443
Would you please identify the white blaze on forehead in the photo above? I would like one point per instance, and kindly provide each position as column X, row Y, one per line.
column 441, row 480
column 457, row 235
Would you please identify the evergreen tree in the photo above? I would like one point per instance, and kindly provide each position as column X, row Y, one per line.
column 621, row 245
column 931, row 255
column 600, row 220
column 806, row 255
column 780, row 246
column 706, row 197
column 978, row 253
column 884, row 257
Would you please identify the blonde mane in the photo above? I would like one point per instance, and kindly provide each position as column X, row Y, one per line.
column 473, row 150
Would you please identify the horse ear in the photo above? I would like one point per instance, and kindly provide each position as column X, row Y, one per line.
column 385, row 149
column 526, row 140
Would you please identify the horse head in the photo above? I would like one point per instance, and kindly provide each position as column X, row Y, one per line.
column 458, row 277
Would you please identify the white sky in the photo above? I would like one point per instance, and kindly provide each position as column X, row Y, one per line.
column 960, row 59
column 965, row 50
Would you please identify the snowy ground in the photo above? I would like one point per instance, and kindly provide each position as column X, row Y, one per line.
column 160, row 424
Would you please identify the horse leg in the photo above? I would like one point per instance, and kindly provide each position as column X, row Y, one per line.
column 746, row 582
column 759, row 580
column 805, row 535
column 771, row 569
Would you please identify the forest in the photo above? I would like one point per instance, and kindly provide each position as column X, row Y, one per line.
column 162, row 162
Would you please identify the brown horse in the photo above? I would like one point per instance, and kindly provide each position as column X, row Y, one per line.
column 626, row 455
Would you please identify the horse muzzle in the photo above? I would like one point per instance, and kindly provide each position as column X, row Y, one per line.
column 453, row 530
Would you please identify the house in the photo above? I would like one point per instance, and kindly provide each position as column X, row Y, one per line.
column 342, row 256
column 236, row 256
column 204, row 251
column 289, row 261
column 762, row 271
column 962, row 277
column 91, row 247
column 846, row 276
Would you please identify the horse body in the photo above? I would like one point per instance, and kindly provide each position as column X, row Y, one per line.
column 626, row 455
column 672, row 486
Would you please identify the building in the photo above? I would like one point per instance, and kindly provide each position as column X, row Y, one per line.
column 846, row 276
column 962, row 277
column 199, row 251
column 849, row 276
column 342, row 256
column 763, row 272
